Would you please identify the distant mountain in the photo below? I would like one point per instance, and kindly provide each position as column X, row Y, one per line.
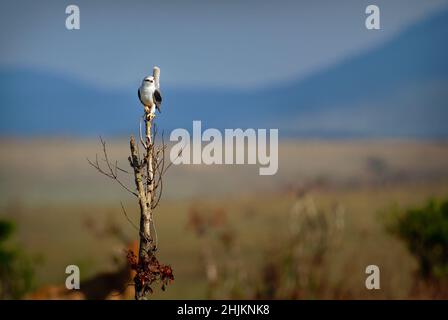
column 45, row 104
column 397, row 90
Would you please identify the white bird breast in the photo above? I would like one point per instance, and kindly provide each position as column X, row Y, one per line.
column 146, row 95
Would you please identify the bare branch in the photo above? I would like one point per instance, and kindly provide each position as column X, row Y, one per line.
column 160, row 189
column 127, row 217
column 171, row 162
column 140, row 134
column 109, row 171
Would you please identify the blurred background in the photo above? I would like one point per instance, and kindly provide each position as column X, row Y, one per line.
column 362, row 179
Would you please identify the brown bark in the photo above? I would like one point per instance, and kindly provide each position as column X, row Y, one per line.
column 146, row 198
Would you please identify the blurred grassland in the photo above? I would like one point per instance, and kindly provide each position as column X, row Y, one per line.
column 49, row 190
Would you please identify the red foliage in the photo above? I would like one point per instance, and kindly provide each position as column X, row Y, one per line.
column 149, row 270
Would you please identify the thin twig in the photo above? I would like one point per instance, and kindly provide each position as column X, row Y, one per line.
column 127, row 217
column 140, row 134
column 110, row 173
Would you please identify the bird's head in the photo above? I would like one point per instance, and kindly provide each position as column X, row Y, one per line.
column 148, row 80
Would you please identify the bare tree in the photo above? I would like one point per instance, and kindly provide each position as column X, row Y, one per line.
column 148, row 168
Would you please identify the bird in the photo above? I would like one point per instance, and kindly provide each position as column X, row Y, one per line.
column 149, row 95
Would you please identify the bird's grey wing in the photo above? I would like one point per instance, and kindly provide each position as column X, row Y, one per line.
column 157, row 99
column 139, row 97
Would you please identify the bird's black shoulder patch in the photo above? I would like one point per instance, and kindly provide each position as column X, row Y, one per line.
column 158, row 96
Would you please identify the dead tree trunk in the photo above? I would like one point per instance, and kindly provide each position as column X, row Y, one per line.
column 145, row 190
column 148, row 170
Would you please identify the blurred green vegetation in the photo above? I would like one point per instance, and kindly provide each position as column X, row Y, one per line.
column 425, row 231
column 16, row 271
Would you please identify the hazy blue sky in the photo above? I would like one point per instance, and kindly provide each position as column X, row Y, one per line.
column 227, row 43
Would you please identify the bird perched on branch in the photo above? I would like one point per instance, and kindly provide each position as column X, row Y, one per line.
column 149, row 93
